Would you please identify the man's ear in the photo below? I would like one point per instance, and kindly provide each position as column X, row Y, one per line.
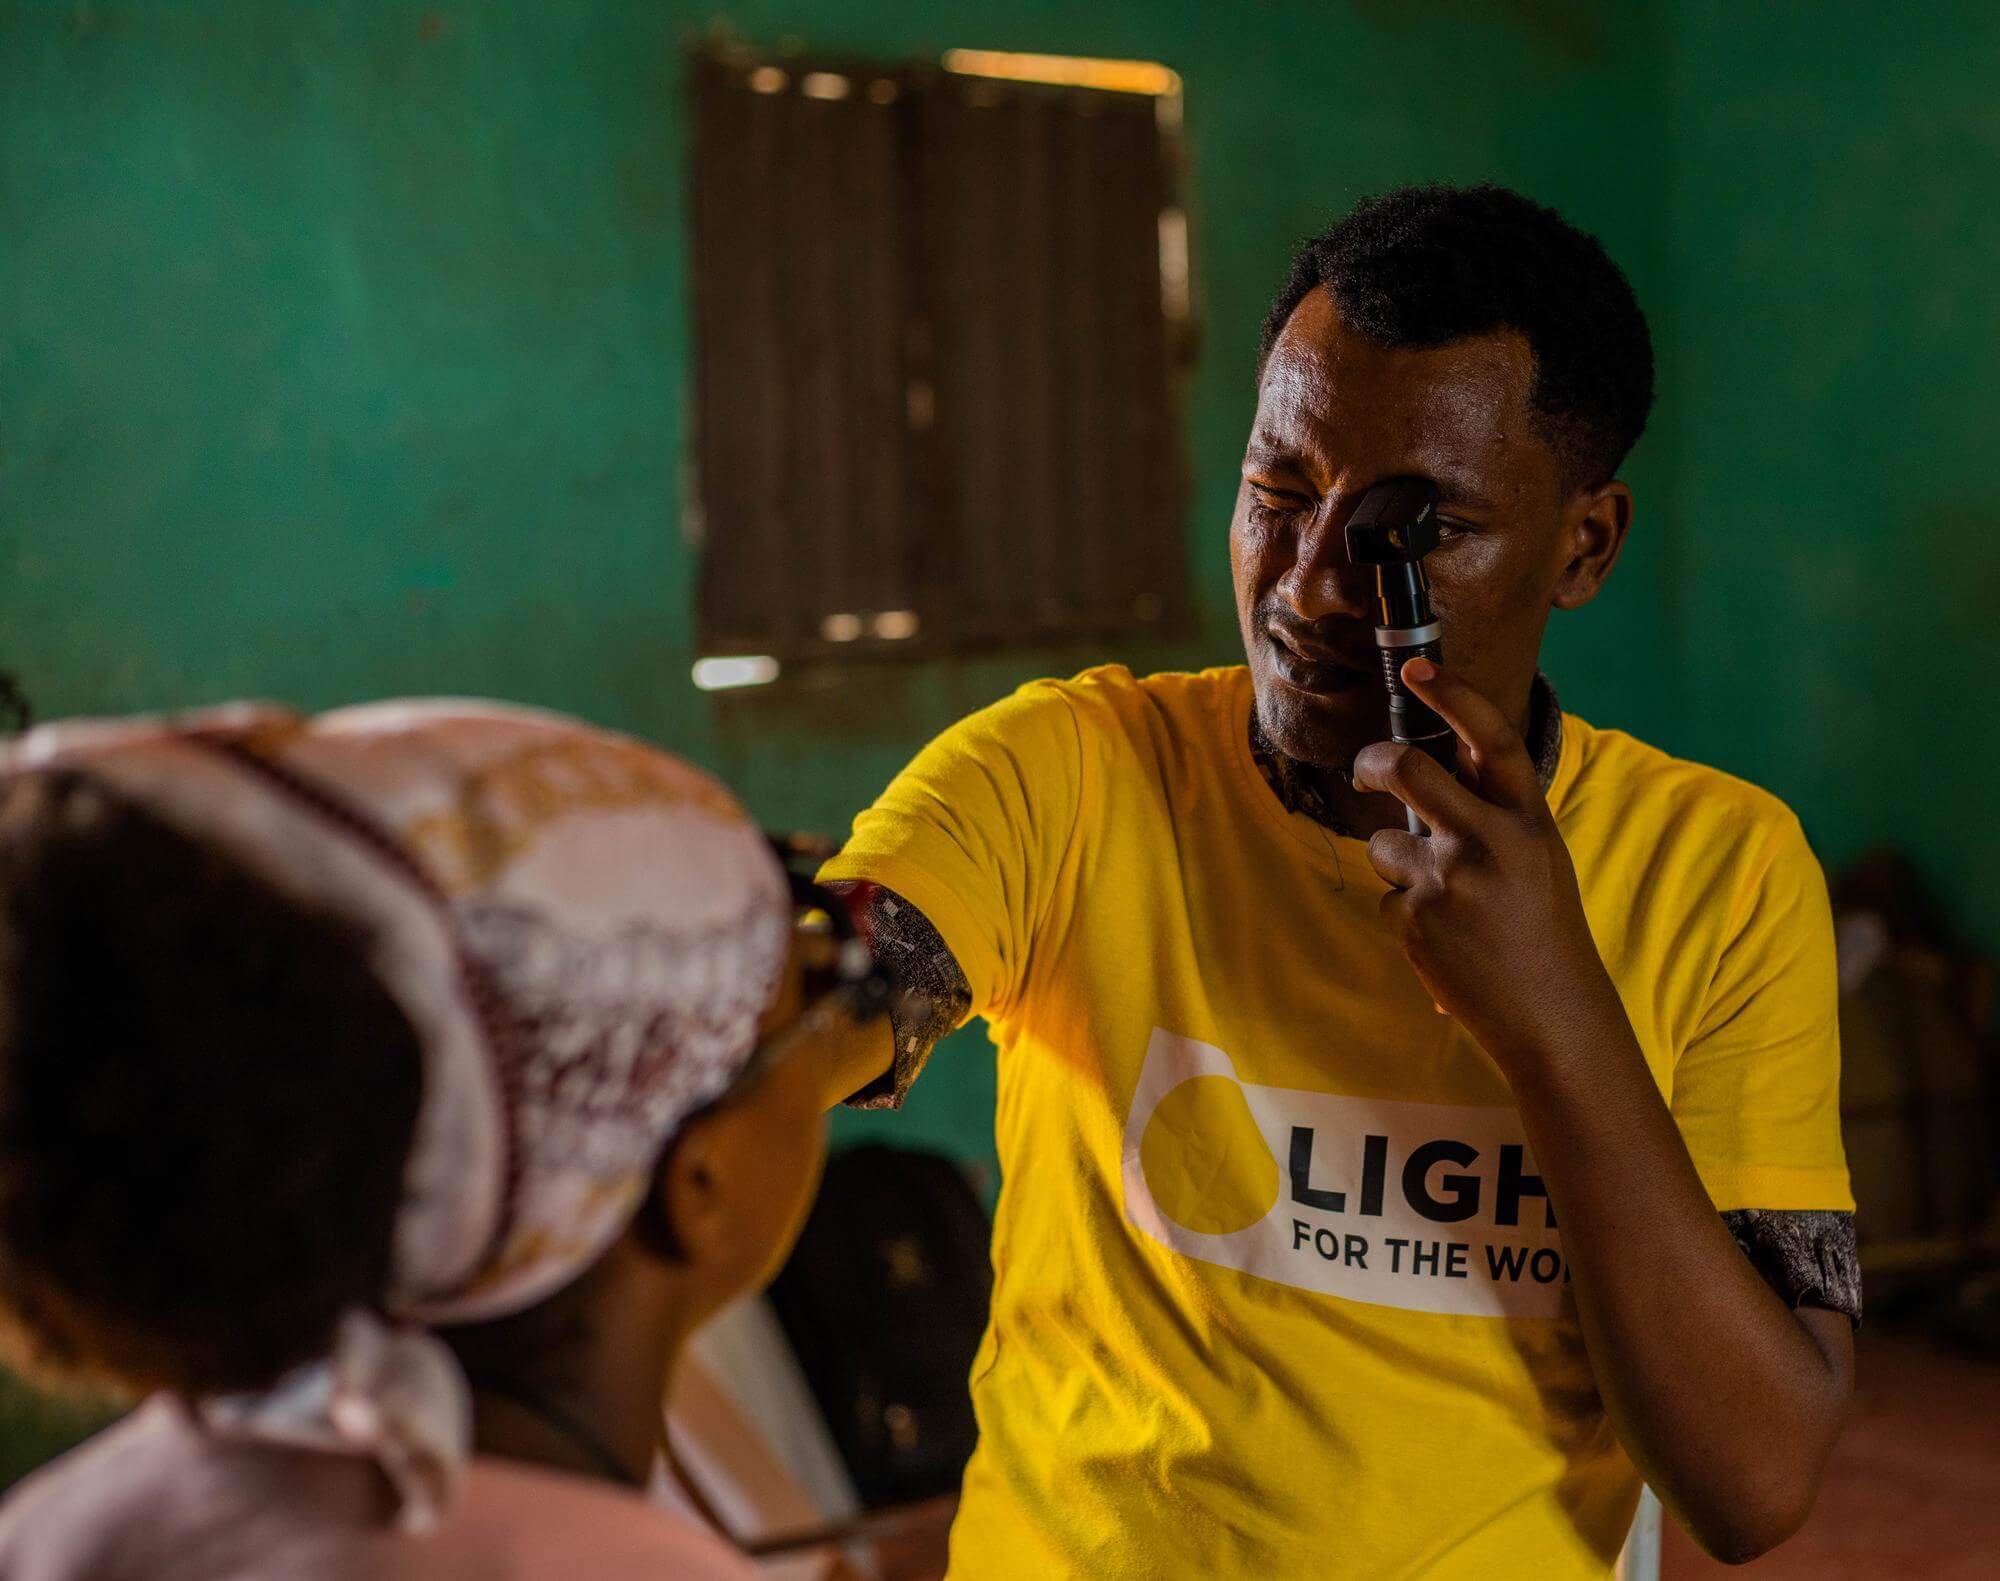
column 1594, row 526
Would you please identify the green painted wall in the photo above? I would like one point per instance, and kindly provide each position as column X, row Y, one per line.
column 1832, row 189
column 343, row 352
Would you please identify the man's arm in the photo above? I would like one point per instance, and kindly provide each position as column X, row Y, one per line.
column 1727, row 1400
column 950, row 873
column 932, row 998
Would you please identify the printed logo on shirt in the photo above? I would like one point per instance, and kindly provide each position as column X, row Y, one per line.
column 1429, row 1207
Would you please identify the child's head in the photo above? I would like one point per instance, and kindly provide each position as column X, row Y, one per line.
column 415, row 1011
column 206, row 1103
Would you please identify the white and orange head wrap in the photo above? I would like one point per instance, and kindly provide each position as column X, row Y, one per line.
column 583, row 932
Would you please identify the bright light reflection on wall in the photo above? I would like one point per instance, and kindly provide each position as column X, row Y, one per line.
column 746, row 669
column 1068, row 71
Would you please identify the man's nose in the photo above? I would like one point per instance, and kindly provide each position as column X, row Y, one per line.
column 1321, row 582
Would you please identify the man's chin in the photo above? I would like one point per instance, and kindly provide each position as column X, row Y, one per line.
column 1325, row 729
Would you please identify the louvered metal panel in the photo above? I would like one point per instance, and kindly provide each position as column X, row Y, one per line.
column 937, row 400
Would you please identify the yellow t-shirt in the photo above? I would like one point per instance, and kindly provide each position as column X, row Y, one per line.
column 1276, row 1292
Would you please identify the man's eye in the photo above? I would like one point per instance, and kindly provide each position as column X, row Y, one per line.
column 1268, row 507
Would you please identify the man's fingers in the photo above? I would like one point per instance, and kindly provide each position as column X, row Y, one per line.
column 1394, row 906
column 1399, row 856
column 1419, row 782
column 1490, row 746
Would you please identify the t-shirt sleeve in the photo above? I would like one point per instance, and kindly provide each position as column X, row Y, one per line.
column 1756, row 1090
column 973, row 834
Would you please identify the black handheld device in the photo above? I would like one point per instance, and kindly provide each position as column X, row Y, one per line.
column 1392, row 529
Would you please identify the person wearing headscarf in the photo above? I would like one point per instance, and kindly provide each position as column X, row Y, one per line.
column 384, row 1098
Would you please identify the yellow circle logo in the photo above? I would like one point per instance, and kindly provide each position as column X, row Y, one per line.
column 1204, row 1159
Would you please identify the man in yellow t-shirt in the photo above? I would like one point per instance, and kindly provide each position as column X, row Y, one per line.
column 1379, row 1204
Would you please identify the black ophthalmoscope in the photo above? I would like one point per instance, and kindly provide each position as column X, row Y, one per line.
column 1392, row 529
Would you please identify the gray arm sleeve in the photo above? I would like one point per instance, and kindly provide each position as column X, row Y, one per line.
column 1808, row 1256
column 932, row 996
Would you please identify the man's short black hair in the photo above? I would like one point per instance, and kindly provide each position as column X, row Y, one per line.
column 1423, row 266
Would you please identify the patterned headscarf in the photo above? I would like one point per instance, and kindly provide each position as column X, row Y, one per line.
column 583, row 933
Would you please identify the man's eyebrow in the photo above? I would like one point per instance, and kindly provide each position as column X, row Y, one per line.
column 1458, row 489
column 1266, row 452
column 1455, row 483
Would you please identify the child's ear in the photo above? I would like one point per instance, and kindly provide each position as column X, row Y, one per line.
column 686, row 1213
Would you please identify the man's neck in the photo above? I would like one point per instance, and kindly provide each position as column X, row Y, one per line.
column 1328, row 799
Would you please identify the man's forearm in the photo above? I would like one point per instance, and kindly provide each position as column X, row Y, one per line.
column 857, row 1062
column 1727, row 1400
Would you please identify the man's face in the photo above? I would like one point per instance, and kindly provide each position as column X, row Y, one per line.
column 1337, row 414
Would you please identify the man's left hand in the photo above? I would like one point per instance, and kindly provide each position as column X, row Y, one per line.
column 1486, row 905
